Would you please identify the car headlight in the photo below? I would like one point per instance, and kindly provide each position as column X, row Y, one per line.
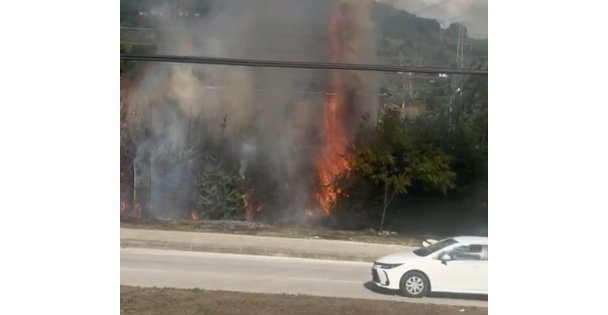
column 387, row 266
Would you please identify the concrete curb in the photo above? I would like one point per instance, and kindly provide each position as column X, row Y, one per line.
column 257, row 245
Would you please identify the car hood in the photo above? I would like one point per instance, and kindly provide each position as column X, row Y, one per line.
column 397, row 258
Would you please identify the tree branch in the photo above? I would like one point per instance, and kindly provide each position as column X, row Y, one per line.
column 391, row 199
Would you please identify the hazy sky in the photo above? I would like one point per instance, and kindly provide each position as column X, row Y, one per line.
column 473, row 13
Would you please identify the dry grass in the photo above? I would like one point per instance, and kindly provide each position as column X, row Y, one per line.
column 268, row 230
column 134, row 300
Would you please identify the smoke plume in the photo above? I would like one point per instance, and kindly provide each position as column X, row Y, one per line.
column 265, row 124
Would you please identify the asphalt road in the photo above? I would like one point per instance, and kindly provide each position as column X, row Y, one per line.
column 263, row 274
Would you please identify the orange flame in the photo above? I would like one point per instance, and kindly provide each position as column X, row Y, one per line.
column 251, row 208
column 193, row 215
column 123, row 207
column 333, row 159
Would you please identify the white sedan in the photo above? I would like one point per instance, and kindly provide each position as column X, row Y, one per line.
column 456, row 265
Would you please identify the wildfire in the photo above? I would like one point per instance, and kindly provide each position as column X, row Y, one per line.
column 333, row 159
column 250, row 207
column 123, row 207
column 193, row 215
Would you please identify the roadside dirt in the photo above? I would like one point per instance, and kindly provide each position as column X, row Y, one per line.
column 134, row 300
column 248, row 228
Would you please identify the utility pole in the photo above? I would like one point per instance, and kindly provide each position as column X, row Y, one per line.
column 173, row 12
column 456, row 81
column 402, row 94
column 460, row 47
column 417, row 62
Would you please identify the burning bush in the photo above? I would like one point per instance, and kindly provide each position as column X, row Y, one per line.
column 283, row 154
column 220, row 195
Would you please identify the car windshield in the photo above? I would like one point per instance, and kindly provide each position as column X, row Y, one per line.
column 425, row 251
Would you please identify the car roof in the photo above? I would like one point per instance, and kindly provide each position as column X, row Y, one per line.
column 469, row 240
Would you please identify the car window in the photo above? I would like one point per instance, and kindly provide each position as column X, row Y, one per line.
column 468, row 252
column 425, row 251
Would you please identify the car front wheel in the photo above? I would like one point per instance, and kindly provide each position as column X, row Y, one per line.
column 414, row 284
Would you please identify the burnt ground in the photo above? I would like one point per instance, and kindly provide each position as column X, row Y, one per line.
column 135, row 300
column 261, row 229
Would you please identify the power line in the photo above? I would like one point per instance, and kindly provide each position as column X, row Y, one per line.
column 137, row 43
column 298, row 64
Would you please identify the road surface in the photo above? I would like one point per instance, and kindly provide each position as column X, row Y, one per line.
column 262, row 274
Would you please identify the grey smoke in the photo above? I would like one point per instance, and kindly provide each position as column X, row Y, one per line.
column 248, row 151
column 253, row 115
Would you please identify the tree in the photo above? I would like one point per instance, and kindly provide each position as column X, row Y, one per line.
column 397, row 154
column 468, row 141
column 377, row 158
column 220, row 193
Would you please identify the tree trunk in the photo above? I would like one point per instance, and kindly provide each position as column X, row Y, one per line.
column 385, row 206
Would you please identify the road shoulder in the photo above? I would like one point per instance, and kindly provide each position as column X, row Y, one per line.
column 257, row 245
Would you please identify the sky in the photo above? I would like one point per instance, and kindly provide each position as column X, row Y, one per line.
column 472, row 13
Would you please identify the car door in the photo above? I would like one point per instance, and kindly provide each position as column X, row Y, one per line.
column 465, row 272
column 481, row 273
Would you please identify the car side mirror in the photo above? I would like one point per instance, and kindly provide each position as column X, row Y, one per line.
column 428, row 242
column 445, row 257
